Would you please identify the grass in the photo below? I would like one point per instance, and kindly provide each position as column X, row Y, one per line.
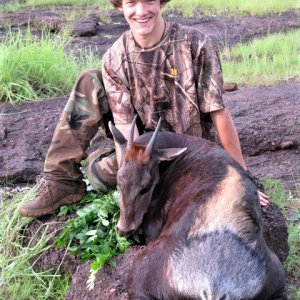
column 234, row 7
column 189, row 8
column 290, row 206
column 34, row 68
column 263, row 61
column 18, row 279
column 14, row 6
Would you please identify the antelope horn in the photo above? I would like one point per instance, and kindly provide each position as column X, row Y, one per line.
column 131, row 134
column 150, row 145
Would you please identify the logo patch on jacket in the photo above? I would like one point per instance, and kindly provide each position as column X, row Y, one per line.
column 173, row 72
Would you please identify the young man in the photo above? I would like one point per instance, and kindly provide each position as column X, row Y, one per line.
column 157, row 69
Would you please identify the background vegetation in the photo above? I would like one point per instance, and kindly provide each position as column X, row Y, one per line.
column 263, row 61
column 233, row 7
column 18, row 278
column 16, row 5
column 40, row 68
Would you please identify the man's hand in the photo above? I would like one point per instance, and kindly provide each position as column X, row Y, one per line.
column 263, row 199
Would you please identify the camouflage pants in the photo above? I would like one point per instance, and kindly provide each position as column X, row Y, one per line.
column 85, row 111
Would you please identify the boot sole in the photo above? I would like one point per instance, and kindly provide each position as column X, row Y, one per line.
column 50, row 210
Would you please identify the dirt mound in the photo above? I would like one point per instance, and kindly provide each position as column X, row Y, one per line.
column 110, row 282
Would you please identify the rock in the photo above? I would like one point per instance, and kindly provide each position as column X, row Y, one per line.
column 288, row 145
column 49, row 23
column 266, row 118
column 85, row 26
column 230, row 86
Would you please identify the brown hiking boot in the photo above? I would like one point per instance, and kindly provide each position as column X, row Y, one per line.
column 50, row 198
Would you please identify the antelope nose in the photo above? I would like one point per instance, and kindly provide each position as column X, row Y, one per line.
column 124, row 232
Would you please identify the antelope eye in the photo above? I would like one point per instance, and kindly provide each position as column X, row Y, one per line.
column 145, row 189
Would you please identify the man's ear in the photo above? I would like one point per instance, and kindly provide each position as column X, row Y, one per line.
column 168, row 154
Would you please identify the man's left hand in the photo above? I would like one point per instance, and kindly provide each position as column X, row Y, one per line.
column 263, row 199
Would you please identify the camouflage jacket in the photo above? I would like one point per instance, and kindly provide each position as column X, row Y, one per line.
column 179, row 80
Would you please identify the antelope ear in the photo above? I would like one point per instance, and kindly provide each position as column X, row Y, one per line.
column 118, row 136
column 169, row 153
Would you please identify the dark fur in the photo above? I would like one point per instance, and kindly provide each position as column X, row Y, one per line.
column 185, row 258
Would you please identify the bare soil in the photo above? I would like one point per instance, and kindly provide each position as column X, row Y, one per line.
column 267, row 120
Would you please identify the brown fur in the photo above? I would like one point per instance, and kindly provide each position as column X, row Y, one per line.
column 137, row 153
column 201, row 219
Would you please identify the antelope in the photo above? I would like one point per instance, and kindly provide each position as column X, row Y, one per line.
column 201, row 218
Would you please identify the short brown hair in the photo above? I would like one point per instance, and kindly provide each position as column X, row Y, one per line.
column 118, row 3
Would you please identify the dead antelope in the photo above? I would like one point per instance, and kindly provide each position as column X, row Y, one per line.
column 201, row 218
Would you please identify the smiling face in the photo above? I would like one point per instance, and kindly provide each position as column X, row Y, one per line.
column 145, row 20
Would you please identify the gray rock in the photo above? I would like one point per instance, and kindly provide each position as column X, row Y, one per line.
column 85, row 26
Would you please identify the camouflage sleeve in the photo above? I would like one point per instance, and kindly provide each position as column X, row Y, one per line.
column 210, row 79
column 118, row 95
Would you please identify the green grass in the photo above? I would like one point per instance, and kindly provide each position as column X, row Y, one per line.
column 18, row 279
column 189, row 8
column 263, row 61
column 290, row 206
column 15, row 6
column 234, row 7
column 35, row 68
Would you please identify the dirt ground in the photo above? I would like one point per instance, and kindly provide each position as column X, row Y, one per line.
column 267, row 118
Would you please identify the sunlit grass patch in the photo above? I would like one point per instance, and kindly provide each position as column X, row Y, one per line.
column 14, row 6
column 66, row 2
column 263, row 61
column 35, row 68
column 234, row 7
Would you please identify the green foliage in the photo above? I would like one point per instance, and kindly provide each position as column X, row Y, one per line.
column 18, row 278
column 32, row 68
column 37, row 3
column 93, row 233
column 277, row 193
column 16, row 5
column 234, row 7
column 263, row 61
